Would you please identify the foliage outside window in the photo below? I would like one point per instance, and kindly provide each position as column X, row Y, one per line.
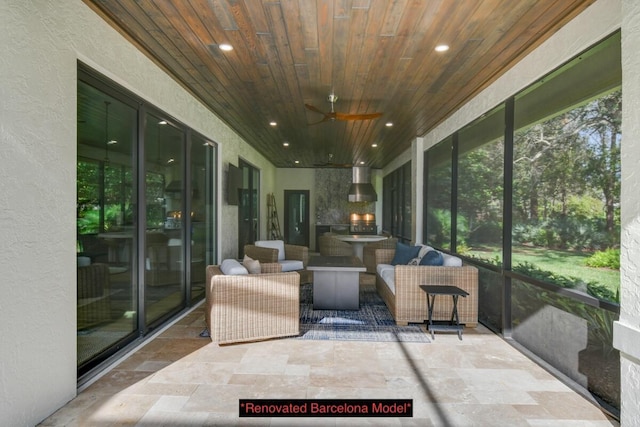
column 396, row 199
column 438, row 198
column 565, row 208
column 480, row 187
column 566, row 205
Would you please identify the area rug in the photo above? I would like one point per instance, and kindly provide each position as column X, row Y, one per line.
column 373, row 322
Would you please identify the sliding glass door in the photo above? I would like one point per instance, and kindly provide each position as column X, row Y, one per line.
column 106, row 280
column 248, row 206
column 145, row 218
column 164, row 228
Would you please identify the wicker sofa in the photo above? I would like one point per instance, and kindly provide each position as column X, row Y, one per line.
column 408, row 303
column 291, row 253
column 252, row 307
column 369, row 252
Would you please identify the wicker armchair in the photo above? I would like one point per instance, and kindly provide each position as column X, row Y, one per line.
column 252, row 307
column 408, row 303
column 369, row 252
column 330, row 246
column 291, row 252
column 94, row 295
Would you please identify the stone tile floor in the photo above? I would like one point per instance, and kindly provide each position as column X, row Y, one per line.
column 180, row 379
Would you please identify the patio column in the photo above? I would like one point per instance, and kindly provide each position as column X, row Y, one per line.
column 626, row 337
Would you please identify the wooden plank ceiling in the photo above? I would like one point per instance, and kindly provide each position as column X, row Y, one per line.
column 374, row 55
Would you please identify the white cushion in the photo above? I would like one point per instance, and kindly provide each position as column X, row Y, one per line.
column 380, row 268
column 252, row 265
column 388, row 273
column 291, row 265
column 273, row 244
column 232, row 266
column 450, row 260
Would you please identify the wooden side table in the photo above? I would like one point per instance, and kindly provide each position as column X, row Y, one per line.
column 455, row 292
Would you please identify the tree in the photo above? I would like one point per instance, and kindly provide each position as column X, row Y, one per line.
column 601, row 126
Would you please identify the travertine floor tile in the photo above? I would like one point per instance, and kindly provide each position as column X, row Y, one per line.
column 181, row 379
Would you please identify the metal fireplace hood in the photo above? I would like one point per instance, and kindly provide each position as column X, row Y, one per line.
column 361, row 190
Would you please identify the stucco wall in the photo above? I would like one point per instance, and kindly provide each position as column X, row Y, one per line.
column 627, row 330
column 40, row 44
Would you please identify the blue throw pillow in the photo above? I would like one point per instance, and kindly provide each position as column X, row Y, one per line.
column 432, row 258
column 404, row 254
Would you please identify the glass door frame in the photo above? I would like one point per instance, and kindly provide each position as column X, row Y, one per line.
column 140, row 328
column 287, row 215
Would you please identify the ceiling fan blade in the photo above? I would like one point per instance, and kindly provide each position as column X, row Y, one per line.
column 312, row 108
column 371, row 116
column 326, row 118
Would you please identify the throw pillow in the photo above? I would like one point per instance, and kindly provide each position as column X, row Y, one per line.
column 253, row 265
column 404, row 254
column 433, row 258
column 232, row 266
column 422, row 252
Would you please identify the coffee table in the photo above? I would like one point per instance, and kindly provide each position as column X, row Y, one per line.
column 336, row 282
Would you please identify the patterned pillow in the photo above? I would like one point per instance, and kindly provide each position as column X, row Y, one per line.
column 423, row 250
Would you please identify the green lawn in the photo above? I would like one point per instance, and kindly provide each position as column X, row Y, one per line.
column 565, row 263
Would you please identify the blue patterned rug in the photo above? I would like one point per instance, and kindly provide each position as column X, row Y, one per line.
column 373, row 322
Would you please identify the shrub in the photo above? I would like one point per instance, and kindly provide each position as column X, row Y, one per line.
column 596, row 290
column 609, row 258
column 531, row 270
column 487, row 232
column 602, row 292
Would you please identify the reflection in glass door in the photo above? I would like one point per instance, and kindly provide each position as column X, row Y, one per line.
column 133, row 189
column 106, row 281
column 248, row 206
column 164, row 195
column 296, row 217
column 202, row 216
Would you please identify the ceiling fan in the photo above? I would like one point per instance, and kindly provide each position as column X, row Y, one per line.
column 330, row 164
column 333, row 115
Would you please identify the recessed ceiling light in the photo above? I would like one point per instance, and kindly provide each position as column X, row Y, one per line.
column 285, row 144
column 388, row 124
column 112, row 142
column 273, row 124
column 361, row 162
column 225, row 46
column 171, row 160
column 442, row 48
column 296, row 161
column 162, row 122
column 374, row 145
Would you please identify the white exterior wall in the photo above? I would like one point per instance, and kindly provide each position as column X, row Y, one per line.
column 626, row 336
column 40, row 44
